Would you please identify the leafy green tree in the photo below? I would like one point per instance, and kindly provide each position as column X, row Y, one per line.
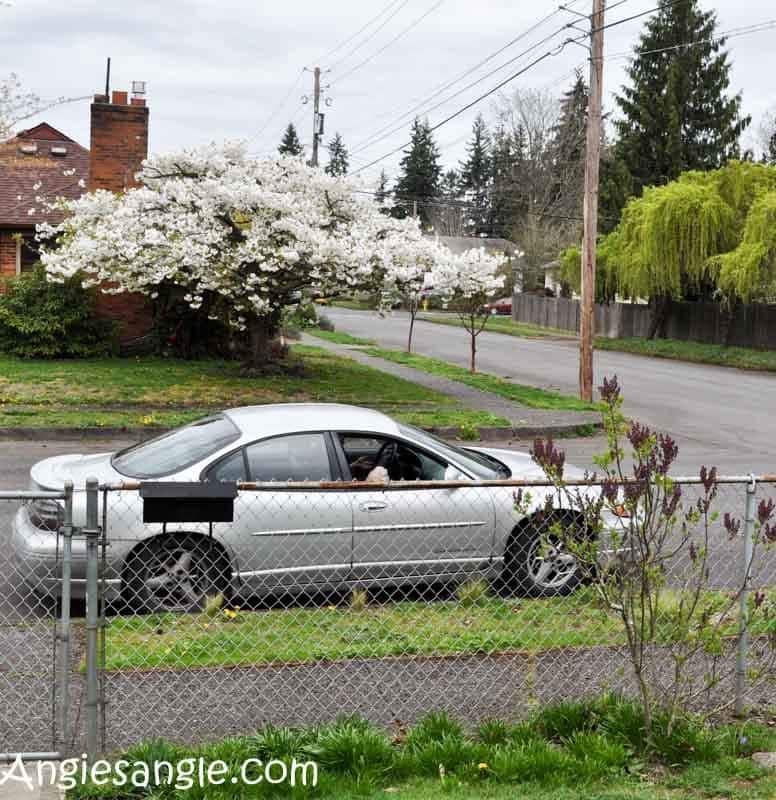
column 704, row 235
column 290, row 144
column 338, row 157
column 421, row 172
column 476, row 177
column 677, row 114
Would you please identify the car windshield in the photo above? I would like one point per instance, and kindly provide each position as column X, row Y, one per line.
column 485, row 467
column 176, row 450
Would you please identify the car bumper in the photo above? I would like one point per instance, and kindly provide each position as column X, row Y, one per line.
column 38, row 560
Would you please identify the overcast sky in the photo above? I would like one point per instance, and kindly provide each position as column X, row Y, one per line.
column 219, row 70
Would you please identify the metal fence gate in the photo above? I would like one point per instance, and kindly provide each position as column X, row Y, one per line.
column 35, row 652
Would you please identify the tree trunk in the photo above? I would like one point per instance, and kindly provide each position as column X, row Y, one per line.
column 727, row 314
column 261, row 334
column 413, row 312
column 472, row 362
column 660, row 314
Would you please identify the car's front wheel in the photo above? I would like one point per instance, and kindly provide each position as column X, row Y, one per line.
column 175, row 573
column 537, row 562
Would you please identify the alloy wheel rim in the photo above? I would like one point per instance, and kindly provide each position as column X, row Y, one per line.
column 553, row 569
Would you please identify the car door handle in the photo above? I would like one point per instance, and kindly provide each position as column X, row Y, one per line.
column 374, row 505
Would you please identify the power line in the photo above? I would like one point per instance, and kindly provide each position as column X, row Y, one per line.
column 395, row 39
column 375, row 139
column 377, row 16
column 371, row 36
column 448, row 84
column 279, row 107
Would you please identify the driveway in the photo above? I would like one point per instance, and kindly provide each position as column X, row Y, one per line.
column 718, row 415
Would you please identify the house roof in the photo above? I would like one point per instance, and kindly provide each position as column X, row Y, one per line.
column 41, row 162
column 460, row 244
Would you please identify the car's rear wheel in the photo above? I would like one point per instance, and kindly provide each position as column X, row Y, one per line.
column 537, row 562
column 176, row 573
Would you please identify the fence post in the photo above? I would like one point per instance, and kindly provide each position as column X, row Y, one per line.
column 92, row 533
column 746, row 567
column 64, row 618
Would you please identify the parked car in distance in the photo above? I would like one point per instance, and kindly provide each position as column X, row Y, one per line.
column 502, row 306
column 288, row 539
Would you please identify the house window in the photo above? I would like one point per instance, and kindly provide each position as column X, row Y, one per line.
column 27, row 254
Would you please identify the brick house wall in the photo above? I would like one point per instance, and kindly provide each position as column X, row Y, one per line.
column 7, row 255
column 118, row 146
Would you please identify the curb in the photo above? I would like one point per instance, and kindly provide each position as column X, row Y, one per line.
column 486, row 434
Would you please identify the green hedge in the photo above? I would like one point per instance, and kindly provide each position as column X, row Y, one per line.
column 42, row 319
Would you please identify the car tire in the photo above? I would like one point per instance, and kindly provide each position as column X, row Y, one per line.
column 175, row 573
column 529, row 573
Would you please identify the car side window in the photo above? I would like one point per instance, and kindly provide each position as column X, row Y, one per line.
column 231, row 468
column 402, row 461
column 300, row 457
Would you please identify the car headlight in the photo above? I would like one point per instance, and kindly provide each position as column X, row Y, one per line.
column 47, row 515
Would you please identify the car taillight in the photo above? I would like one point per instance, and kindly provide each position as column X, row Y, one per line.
column 48, row 515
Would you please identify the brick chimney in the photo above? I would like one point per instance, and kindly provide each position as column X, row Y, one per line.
column 119, row 144
column 119, row 140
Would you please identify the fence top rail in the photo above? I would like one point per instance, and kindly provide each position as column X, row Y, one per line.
column 31, row 494
column 376, row 486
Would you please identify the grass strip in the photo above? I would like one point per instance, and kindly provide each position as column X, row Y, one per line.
column 151, row 392
column 334, row 633
column 519, row 393
column 339, row 337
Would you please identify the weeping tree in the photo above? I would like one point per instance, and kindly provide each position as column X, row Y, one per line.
column 706, row 235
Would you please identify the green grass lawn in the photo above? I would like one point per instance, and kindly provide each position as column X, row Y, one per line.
column 740, row 357
column 154, row 392
column 332, row 633
column 339, row 337
column 525, row 395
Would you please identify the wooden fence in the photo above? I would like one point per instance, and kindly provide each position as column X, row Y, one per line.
column 749, row 326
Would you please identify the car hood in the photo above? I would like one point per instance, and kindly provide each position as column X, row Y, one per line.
column 51, row 473
column 523, row 466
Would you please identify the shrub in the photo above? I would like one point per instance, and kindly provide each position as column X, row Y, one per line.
column 42, row 319
column 324, row 323
column 352, row 746
column 564, row 719
column 433, row 727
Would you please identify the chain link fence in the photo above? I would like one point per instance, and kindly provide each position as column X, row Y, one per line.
column 295, row 603
column 30, row 643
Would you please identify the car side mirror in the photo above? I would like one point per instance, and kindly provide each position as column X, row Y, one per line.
column 453, row 474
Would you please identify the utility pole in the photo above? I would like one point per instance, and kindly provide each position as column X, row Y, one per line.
column 316, row 108
column 590, row 206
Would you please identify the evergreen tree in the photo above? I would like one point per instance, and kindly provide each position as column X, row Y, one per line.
column 290, row 144
column 677, row 114
column 382, row 194
column 770, row 155
column 476, row 177
column 568, row 147
column 506, row 155
column 450, row 187
column 420, row 172
column 338, row 157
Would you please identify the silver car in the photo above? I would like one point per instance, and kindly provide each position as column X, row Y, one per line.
column 289, row 539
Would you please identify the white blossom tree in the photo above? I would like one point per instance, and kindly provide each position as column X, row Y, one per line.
column 236, row 238
column 466, row 282
column 410, row 270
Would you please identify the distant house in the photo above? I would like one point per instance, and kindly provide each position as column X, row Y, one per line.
column 42, row 163
column 36, row 162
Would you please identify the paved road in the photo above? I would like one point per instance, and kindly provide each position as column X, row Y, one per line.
column 718, row 415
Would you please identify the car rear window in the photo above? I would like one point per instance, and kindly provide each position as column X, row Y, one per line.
column 176, row 450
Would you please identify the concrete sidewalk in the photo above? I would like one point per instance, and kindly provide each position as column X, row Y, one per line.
column 14, row 789
column 525, row 421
